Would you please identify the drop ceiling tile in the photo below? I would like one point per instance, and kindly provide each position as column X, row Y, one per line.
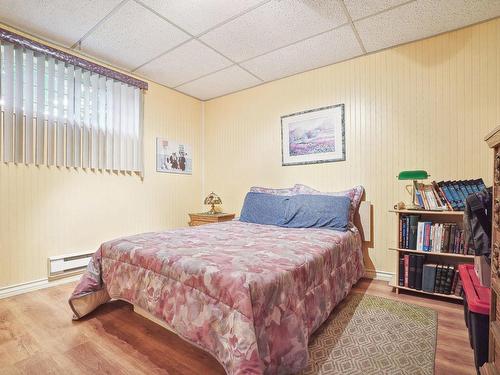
column 187, row 62
column 60, row 21
column 328, row 48
column 220, row 83
column 421, row 19
column 274, row 25
column 197, row 16
column 132, row 36
column 362, row 8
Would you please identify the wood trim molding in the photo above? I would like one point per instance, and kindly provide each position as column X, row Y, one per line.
column 24, row 42
column 378, row 275
column 30, row 286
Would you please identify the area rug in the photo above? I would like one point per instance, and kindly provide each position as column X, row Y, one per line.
column 374, row 335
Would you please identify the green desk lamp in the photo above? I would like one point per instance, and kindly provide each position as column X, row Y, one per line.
column 413, row 175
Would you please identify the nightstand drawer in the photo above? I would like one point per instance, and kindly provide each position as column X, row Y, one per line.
column 204, row 218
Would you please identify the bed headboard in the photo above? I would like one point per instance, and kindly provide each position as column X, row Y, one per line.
column 363, row 220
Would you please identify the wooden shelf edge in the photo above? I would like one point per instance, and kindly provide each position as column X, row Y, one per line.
column 452, row 255
column 393, row 284
column 428, row 212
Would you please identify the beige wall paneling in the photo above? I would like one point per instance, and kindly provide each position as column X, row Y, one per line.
column 426, row 105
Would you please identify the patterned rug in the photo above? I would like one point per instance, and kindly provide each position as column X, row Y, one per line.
column 373, row 335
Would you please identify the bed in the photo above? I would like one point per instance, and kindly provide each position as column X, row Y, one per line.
column 250, row 294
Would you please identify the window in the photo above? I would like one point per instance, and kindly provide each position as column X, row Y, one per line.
column 58, row 114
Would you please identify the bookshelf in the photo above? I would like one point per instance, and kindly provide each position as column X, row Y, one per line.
column 450, row 296
column 429, row 212
column 455, row 217
column 462, row 256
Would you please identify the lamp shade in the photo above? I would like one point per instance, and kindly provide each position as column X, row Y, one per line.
column 213, row 198
column 413, row 175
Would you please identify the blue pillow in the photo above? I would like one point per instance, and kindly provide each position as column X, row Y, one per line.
column 298, row 211
column 318, row 211
column 262, row 208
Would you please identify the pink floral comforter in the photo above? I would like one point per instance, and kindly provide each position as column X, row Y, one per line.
column 250, row 294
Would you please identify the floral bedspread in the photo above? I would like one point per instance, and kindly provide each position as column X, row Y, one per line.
column 249, row 294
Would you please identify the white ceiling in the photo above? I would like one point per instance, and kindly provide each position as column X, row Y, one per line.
column 209, row 48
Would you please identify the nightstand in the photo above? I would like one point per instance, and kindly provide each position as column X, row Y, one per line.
column 204, row 218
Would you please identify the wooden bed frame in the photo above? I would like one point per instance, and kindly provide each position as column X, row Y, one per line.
column 363, row 220
column 154, row 319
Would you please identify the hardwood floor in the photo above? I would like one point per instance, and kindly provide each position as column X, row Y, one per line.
column 37, row 336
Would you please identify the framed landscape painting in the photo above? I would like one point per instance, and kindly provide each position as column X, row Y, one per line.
column 314, row 136
column 173, row 157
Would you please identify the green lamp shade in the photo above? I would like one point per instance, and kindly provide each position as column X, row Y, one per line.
column 413, row 175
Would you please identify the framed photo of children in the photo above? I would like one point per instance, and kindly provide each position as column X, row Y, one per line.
column 314, row 136
column 173, row 157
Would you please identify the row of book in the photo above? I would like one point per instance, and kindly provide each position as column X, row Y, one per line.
column 414, row 273
column 415, row 234
column 447, row 195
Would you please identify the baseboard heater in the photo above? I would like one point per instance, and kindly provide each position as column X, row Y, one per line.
column 67, row 265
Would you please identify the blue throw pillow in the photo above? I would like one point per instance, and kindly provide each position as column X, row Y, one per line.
column 262, row 208
column 318, row 211
column 298, row 211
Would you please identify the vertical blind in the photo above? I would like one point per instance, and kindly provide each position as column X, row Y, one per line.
column 57, row 114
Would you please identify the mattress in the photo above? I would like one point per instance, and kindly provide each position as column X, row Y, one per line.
column 249, row 294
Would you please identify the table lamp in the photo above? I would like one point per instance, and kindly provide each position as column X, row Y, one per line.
column 413, row 175
column 212, row 199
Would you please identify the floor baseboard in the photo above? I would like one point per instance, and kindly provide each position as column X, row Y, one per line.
column 379, row 275
column 30, row 286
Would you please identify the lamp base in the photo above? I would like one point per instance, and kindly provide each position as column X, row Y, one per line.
column 412, row 205
column 212, row 210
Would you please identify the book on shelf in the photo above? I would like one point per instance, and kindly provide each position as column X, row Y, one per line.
column 429, row 277
column 401, row 281
column 406, row 258
column 444, row 276
column 455, row 281
column 442, row 197
column 419, row 264
column 446, row 195
column 412, row 231
column 458, row 288
column 437, row 280
column 404, row 231
column 412, row 271
column 449, row 280
column 427, row 236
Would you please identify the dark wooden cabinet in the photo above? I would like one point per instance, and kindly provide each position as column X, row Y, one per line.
column 492, row 367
